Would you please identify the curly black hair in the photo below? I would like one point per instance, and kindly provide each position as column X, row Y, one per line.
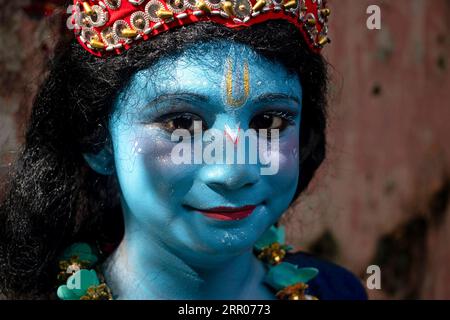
column 53, row 198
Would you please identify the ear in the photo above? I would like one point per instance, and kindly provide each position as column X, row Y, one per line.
column 102, row 162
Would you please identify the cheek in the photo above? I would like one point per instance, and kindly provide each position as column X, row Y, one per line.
column 146, row 170
column 284, row 183
column 173, row 180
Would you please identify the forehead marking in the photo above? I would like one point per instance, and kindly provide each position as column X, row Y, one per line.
column 237, row 91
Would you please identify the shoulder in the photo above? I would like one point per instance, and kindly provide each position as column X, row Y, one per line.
column 333, row 282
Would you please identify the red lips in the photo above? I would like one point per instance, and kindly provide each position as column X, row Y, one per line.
column 228, row 213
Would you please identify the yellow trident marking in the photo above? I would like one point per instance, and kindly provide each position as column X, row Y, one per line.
column 239, row 101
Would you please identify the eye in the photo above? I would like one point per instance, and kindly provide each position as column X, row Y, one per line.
column 271, row 120
column 185, row 121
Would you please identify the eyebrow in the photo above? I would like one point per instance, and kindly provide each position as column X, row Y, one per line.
column 190, row 96
column 178, row 96
column 276, row 96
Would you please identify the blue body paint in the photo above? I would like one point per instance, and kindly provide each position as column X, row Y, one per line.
column 170, row 250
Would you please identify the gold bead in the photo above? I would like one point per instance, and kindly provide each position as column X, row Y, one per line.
column 164, row 14
column 227, row 6
column 97, row 44
column 259, row 5
column 87, row 9
column 290, row 4
column 323, row 40
column 325, row 12
column 203, row 6
column 128, row 33
column 311, row 22
column 242, row 7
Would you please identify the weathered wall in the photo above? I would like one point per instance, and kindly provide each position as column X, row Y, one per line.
column 382, row 195
column 26, row 41
column 381, row 198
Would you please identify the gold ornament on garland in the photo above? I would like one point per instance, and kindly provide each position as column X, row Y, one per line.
column 273, row 254
column 100, row 292
column 295, row 292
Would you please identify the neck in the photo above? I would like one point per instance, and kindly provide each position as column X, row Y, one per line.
column 143, row 268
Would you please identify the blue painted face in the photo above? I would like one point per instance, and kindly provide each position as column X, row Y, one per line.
column 223, row 84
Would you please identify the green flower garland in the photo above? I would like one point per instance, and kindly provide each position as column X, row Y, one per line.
column 81, row 279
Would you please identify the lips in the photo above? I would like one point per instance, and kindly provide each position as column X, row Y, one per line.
column 228, row 213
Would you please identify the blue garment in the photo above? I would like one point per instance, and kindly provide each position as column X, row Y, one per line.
column 333, row 282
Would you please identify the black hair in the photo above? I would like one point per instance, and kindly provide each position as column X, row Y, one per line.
column 53, row 198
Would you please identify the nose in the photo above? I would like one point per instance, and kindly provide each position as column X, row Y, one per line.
column 229, row 177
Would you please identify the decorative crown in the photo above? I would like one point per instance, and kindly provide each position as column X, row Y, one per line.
column 111, row 26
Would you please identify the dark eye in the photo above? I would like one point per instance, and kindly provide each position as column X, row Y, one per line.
column 270, row 121
column 181, row 121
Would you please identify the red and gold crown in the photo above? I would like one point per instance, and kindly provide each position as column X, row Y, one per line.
column 111, row 26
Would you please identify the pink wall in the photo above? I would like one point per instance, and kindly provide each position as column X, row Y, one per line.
column 388, row 172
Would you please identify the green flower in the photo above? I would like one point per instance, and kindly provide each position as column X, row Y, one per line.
column 78, row 285
column 271, row 236
column 286, row 274
column 82, row 252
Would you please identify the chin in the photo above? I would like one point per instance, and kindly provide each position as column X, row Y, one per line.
column 212, row 253
column 214, row 259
